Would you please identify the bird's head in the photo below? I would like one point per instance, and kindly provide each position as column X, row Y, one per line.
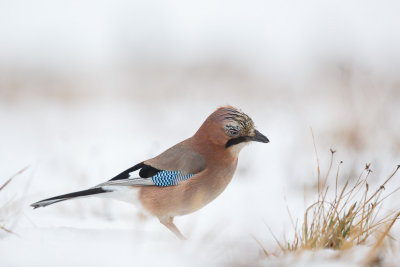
column 231, row 128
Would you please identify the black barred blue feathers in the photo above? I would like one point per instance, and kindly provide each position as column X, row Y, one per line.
column 167, row 178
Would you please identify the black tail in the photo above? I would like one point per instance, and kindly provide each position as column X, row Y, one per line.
column 88, row 192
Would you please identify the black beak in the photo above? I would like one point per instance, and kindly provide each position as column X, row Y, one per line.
column 258, row 137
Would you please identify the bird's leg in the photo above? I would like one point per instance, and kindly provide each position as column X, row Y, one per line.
column 169, row 223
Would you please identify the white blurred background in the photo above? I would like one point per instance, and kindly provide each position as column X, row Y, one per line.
column 89, row 88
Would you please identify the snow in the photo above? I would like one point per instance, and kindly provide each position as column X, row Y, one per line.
column 75, row 151
column 88, row 90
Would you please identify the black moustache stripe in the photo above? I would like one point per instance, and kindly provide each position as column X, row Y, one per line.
column 235, row 141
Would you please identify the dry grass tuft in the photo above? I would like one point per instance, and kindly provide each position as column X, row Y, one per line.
column 2, row 208
column 352, row 217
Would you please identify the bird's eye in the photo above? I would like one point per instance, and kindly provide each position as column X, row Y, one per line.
column 233, row 132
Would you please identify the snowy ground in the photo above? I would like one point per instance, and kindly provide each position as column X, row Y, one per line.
column 75, row 146
column 87, row 92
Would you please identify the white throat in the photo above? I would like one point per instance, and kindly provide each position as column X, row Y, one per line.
column 235, row 149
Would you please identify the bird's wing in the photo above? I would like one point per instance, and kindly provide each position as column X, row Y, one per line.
column 171, row 167
column 179, row 157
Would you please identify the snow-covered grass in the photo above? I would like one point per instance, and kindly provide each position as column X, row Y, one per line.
column 345, row 219
column 8, row 208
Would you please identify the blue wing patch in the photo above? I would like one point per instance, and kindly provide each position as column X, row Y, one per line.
column 167, row 178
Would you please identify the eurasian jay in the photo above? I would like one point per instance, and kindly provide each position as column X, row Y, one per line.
column 186, row 176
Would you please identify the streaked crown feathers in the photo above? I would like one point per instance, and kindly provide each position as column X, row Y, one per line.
column 236, row 123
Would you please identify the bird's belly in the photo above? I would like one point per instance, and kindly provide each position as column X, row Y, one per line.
column 186, row 197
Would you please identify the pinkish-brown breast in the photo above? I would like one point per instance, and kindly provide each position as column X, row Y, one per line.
column 191, row 194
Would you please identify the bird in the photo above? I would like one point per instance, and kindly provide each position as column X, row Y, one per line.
column 185, row 177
